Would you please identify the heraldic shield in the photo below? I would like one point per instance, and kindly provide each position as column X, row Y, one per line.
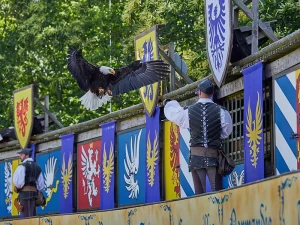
column 218, row 37
column 23, row 114
column 146, row 49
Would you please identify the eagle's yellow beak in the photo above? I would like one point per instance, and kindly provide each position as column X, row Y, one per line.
column 112, row 72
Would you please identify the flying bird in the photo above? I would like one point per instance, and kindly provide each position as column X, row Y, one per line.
column 101, row 82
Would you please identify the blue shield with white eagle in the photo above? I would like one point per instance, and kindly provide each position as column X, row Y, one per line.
column 218, row 37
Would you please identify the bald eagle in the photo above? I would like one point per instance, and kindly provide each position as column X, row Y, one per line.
column 102, row 82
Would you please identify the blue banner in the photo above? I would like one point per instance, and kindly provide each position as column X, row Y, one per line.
column 50, row 163
column 6, row 189
column 107, row 172
column 236, row 178
column 253, row 123
column 131, row 167
column 152, row 157
column 66, row 185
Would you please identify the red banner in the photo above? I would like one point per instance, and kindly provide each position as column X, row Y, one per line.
column 88, row 174
column 298, row 115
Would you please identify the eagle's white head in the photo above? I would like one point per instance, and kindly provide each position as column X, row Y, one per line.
column 107, row 70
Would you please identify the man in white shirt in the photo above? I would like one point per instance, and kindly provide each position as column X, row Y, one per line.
column 28, row 180
column 209, row 123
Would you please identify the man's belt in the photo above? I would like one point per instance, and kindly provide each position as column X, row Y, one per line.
column 29, row 188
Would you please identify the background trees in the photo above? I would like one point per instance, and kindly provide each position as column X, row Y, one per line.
column 35, row 35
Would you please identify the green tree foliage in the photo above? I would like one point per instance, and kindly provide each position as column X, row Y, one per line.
column 35, row 35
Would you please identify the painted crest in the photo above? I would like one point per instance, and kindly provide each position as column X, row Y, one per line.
column 23, row 114
column 8, row 186
column 131, row 164
column 90, row 169
column 146, row 49
column 236, row 178
column 218, row 37
column 51, row 182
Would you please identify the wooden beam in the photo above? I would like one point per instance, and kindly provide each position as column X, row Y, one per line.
column 255, row 30
column 268, row 32
column 172, row 74
column 177, row 69
column 49, row 113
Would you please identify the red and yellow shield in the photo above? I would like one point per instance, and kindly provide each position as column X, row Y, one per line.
column 23, row 114
column 146, row 49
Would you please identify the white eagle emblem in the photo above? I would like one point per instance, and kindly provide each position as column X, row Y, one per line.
column 89, row 171
column 132, row 166
column 235, row 180
column 49, row 176
column 8, row 185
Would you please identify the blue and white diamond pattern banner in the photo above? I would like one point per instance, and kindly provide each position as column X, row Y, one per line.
column 218, row 36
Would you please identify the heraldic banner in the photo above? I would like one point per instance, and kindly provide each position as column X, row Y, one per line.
column 23, row 114
column 171, row 160
column 66, row 154
column 146, row 49
column 88, row 175
column 107, row 172
column 131, row 167
column 152, row 157
column 253, row 123
column 298, row 115
column 50, row 163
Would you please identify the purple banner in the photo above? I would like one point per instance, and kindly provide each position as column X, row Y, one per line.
column 32, row 146
column 107, row 174
column 66, row 185
column 253, row 123
column 152, row 157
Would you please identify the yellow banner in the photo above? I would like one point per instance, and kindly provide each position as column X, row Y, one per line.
column 23, row 114
column 146, row 49
column 15, row 164
column 171, row 160
column 274, row 201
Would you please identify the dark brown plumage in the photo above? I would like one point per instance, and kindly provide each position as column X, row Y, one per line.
column 114, row 82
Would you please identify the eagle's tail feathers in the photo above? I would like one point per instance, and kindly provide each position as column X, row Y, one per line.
column 92, row 102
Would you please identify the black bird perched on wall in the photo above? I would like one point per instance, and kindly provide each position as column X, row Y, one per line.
column 101, row 82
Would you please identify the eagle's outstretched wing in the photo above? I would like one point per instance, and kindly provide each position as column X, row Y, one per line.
column 137, row 75
column 81, row 69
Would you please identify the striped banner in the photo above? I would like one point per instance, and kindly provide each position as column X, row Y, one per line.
column 186, row 179
column 285, row 122
column 298, row 116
